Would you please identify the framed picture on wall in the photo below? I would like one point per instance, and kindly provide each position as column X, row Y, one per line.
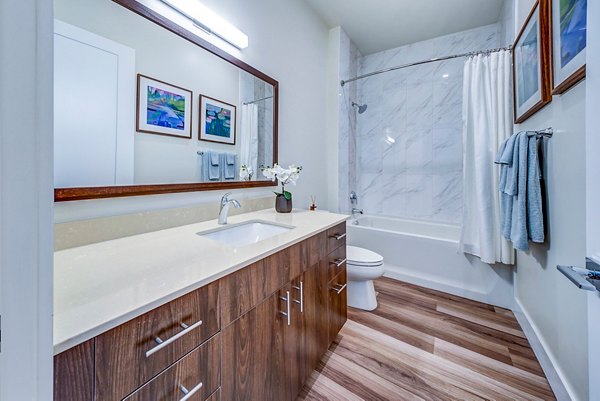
column 531, row 64
column 569, row 28
column 217, row 121
column 163, row 109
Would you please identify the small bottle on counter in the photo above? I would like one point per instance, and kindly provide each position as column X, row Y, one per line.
column 313, row 203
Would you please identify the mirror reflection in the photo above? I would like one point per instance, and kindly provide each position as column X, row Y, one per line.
column 135, row 104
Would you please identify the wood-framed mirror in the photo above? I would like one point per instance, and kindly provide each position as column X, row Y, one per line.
column 145, row 106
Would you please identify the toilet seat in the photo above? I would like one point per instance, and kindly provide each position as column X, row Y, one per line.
column 363, row 257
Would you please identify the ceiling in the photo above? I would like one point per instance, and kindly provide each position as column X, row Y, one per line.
column 376, row 25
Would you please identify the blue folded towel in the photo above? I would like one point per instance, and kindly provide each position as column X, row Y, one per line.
column 211, row 166
column 230, row 166
column 215, row 158
column 518, row 232
column 521, row 217
column 535, row 214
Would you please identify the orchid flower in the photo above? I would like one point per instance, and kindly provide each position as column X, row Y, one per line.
column 285, row 176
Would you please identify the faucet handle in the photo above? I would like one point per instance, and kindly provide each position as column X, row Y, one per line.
column 224, row 198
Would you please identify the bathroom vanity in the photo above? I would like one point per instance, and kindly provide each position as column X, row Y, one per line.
column 212, row 323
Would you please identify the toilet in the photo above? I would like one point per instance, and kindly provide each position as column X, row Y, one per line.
column 362, row 267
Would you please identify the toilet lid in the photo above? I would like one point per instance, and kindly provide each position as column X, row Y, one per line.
column 362, row 256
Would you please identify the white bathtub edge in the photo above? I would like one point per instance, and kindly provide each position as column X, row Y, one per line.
column 396, row 273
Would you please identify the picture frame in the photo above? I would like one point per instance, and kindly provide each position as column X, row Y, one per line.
column 163, row 108
column 217, row 121
column 532, row 70
column 569, row 26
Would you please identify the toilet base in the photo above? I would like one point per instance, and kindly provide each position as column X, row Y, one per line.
column 361, row 295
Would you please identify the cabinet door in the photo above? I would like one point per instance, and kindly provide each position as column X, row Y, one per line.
column 338, row 305
column 309, row 334
column 253, row 363
column 74, row 373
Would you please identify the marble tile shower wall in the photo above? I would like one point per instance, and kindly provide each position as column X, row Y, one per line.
column 347, row 124
column 409, row 144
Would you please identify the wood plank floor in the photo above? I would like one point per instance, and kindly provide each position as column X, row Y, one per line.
column 421, row 344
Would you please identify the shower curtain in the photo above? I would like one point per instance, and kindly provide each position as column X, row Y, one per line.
column 249, row 145
column 487, row 122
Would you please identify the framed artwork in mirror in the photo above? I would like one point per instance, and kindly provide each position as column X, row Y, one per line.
column 531, row 64
column 163, row 109
column 569, row 28
column 217, row 121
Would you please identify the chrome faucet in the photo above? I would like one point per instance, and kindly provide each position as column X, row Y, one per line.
column 224, row 209
column 356, row 210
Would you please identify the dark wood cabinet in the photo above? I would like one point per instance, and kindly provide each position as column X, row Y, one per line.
column 133, row 353
column 309, row 334
column 264, row 330
column 198, row 373
column 74, row 373
column 338, row 305
column 336, row 237
column 253, row 353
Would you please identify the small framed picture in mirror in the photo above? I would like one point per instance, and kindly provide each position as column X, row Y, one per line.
column 217, row 121
column 163, row 109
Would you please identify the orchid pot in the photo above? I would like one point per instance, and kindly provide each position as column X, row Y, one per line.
column 283, row 199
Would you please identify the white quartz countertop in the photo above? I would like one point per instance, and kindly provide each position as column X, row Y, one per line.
column 100, row 286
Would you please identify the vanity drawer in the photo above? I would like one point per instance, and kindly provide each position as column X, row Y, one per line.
column 336, row 237
column 197, row 372
column 133, row 353
column 336, row 262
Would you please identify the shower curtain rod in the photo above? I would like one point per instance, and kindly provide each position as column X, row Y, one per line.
column 345, row 81
column 258, row 100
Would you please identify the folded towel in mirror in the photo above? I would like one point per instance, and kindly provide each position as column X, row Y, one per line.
column 229, row 168
column 214, row 168
column 214, row 158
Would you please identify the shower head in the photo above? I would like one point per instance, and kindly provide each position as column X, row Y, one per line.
column 361, row 107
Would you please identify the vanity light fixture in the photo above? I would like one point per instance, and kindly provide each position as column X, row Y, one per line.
column 207, row 20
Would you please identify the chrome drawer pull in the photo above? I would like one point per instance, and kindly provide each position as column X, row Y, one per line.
column 338, row 236
column 339, row 262
column 162, row 344
column 287, row 313
column 189, row 393
column 301, row 301
column 339, row 290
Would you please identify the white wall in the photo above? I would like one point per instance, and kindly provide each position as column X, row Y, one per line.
column 26, row 200
column 556, row 308
column 593, row 188
column 289, row 43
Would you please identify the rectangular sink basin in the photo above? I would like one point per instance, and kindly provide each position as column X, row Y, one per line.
column 244, row 234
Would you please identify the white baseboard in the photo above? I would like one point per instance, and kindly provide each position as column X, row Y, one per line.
column 555, row 376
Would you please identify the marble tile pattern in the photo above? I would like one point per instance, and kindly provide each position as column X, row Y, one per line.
column 409, row 141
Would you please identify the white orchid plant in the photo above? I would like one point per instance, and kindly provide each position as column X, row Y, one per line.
column 285, row 175
column 246, row 173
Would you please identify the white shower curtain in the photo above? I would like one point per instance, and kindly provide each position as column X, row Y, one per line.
column 487, row 122
column 249, row 146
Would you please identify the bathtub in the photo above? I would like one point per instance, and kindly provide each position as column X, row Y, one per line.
column 426, row 254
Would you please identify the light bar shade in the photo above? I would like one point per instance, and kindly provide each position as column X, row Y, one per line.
column 209, row 21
